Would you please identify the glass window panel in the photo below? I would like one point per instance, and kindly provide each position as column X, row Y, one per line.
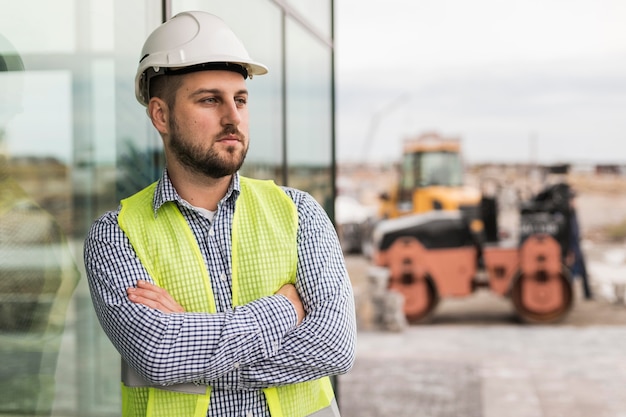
column 101, row 25
column 40, row 26
column 316, row 13
column 309, row 112
column 51, row 136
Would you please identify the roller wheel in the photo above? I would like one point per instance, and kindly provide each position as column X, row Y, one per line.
column 541, row 298
column 421, row 299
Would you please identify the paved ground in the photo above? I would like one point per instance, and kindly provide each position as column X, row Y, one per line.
column 475, row 359
column 490, row 371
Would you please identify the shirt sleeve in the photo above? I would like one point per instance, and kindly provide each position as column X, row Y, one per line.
column 324, row 343
column 181, row 347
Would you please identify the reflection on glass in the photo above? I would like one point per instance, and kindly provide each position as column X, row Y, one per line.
column 37, row 271
column 37, row 278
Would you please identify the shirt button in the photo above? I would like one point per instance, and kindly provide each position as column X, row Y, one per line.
column 211, row 232
column 223, row 277
column 249, row 414
column 236, row 365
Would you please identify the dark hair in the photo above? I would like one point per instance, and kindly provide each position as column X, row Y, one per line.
column 165, row 87
column 164, row 82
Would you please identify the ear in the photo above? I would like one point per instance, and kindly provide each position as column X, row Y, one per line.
column 159, row 114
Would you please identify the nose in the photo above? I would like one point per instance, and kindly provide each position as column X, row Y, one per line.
column 230, row 115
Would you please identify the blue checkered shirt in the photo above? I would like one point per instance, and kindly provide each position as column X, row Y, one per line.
column 238, row 351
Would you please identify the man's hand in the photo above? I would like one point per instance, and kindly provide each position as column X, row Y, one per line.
column 154, row 297
column 289, row 291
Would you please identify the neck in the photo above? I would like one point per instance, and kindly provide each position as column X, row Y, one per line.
column 198, row 190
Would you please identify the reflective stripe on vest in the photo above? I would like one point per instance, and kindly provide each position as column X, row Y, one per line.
column 264, row 244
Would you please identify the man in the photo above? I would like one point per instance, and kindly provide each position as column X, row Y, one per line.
column 576, row 258
column 225, row 296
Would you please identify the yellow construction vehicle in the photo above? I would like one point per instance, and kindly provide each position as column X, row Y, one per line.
column 431, row 177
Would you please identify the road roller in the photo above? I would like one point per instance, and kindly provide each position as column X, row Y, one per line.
column 435, row 255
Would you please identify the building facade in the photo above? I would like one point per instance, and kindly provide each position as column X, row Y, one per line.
column 74, row 141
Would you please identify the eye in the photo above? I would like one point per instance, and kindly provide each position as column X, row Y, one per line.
column 241, row 101
column 209, row 100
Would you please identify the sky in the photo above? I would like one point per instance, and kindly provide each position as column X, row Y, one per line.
column 516, row 80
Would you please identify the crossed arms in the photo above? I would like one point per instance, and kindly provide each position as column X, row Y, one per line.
column 302, row 332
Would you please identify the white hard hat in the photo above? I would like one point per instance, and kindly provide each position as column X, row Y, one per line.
column 192, row 41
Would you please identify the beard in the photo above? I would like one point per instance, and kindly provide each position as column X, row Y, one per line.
column 208, row 162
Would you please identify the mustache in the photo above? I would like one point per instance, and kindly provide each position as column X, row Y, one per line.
column 231, row 130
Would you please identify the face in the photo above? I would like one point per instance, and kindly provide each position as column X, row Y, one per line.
column 207, row 129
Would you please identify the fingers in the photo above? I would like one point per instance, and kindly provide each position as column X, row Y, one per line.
column 154, row 297
column 289, row 291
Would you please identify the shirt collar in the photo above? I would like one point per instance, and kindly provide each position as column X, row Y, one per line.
column 166, row 192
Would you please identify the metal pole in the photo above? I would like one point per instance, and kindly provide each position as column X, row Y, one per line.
column 166, row 10
column 333, row 168
column 333, row 138
column 283, row 88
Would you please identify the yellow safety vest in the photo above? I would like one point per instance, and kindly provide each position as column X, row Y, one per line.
column 264, row 258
